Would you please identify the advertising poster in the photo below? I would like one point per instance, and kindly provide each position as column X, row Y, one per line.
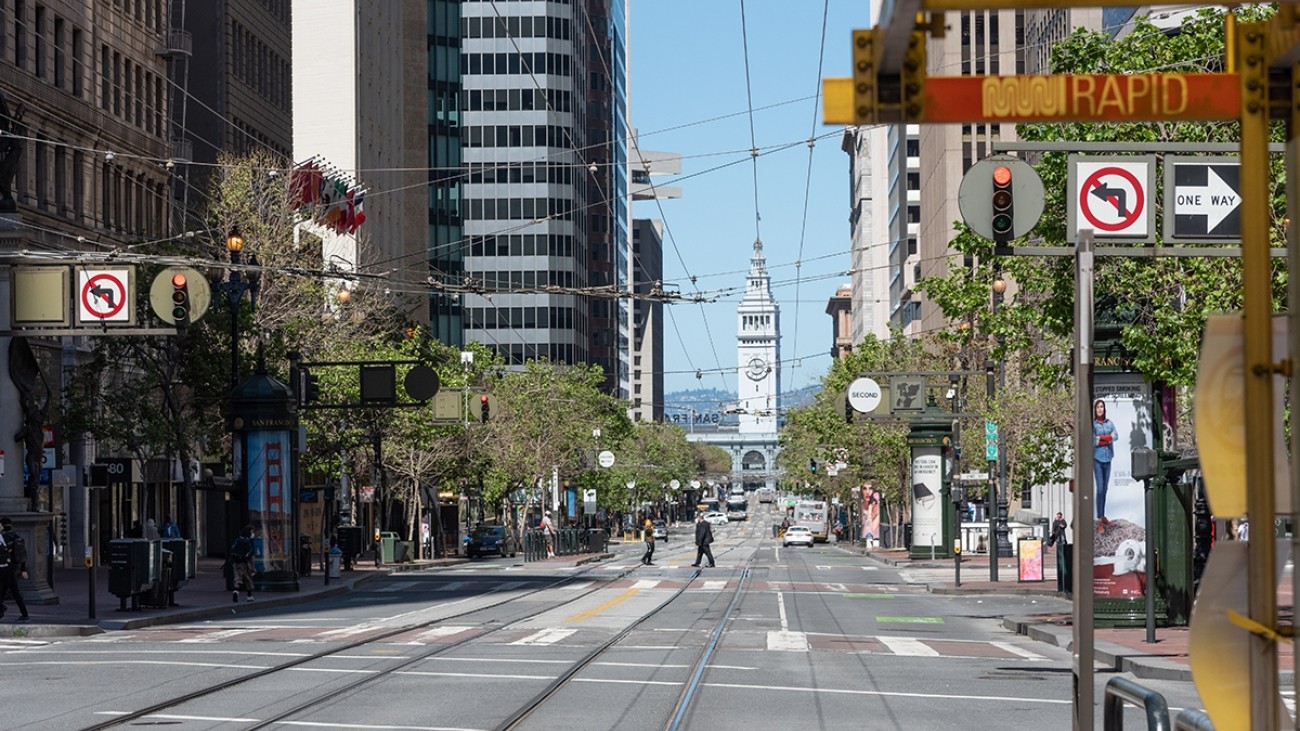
column 870, row 514
column 270, row 509
column 1121, row 422
column 927, row 503
column 1029, row 555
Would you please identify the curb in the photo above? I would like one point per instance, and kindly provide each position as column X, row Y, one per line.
column 1111, row 656
column 35, row 631
column 219, row 611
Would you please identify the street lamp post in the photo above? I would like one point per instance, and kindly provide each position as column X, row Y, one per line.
column 235, row 288
column 998, row 471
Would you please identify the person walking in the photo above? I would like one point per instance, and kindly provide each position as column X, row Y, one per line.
column 649, row 536
column 548, row 533
column 1059, row 528
column 240, row 557
column 703, row 539
column 13, row 565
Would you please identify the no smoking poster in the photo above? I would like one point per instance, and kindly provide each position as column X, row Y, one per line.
column 1112, row 196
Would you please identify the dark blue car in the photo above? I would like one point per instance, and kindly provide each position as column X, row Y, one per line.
column 491, row 539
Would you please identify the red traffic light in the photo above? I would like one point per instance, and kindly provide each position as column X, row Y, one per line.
column 1002, row 175
column 178, row 280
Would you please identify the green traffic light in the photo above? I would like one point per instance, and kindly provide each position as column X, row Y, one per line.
column 1002, row 223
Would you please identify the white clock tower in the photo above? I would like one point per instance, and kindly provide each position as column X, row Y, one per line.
column 758, row 351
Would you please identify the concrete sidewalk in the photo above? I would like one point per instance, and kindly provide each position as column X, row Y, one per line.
column 203, row 597
column 1124, row 649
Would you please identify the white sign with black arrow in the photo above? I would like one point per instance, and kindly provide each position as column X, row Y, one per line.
column 1202, row 199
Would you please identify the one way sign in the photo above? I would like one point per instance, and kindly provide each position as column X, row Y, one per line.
column 1202, row 199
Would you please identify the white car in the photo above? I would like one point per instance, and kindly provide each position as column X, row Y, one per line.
column 797, row 534
column 714, row 517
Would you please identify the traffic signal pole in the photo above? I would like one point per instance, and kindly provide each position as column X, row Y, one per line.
column 1257, row 309
column 1084, row 509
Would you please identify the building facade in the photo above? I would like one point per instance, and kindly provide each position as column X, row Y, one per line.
column 545, row 209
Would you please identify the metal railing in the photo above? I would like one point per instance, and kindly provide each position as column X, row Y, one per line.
column 1121, row 690
column 1191, row 720
column 564, row 542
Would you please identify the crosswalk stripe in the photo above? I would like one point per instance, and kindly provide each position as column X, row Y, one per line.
column 220, row 635
column 787, row 641
column 1017, row 650
column 646, row 584
column 714, row 585
column 545, row 637
column 908, row 647
column 442, row 631
column 511, row 585
column 400, row 586
column 450, row 586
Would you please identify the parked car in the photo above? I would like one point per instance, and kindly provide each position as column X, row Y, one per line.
column 661, row 530
column 715, row 518
column 797, row 534
column 491, row 539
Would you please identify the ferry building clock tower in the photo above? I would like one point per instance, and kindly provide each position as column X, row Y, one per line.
column 758, row 352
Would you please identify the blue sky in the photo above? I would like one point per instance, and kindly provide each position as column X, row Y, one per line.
column 687, row 63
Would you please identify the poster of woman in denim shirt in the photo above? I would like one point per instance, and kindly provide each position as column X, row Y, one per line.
column 1103, row 453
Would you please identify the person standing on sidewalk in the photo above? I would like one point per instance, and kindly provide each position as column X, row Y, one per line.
column 703, row 539
column 240, row 557
column 13, row 565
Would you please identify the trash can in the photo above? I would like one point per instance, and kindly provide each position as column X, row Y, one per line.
column 134, row 565
column 1065, row 567
column 335, row 559
column 304, row 555
column 388, row 547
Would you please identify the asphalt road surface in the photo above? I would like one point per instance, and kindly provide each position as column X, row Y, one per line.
column 798, row 638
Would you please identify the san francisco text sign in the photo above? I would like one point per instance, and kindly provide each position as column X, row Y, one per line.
column 1082, row 98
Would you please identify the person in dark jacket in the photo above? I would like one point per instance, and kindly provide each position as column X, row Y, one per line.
column 703, row 538
column 240, row 556
column 13, row 566
column 1059, row 529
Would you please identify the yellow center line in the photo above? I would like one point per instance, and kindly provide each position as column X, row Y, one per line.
column 607, row 605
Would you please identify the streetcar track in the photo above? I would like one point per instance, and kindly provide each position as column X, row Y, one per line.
column 373, row 639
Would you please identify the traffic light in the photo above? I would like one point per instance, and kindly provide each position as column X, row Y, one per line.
column 180, row 299
column 812, row 465
column 913, row 78
column 1004, row 217
column 485, row 408
column 848, row 410
column 310, row 386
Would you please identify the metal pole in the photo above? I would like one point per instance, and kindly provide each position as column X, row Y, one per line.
column 1257, row 310
column 1149, row 491
column 956, row 549
column 991, row 500
column 1293, row 323
column 236, row 294
column 1084, row 527
column 92, row 551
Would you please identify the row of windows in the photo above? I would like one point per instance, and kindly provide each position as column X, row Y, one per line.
column 516, row 26
column 519, row 318
column 517, row 100
column 151, row 14
column 68, row 73
column 524, row 279
column 520, row 209
column 523, row 245
column 556, row 64
column 246, row 138
column 515, row 135
column 261, row 68
column 131, row 92
column 54, row 178
column 553, row 173
column 278, row 8
column 517, row 354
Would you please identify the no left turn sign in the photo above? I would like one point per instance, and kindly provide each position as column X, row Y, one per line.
column 1112, row 197
column 104, row 295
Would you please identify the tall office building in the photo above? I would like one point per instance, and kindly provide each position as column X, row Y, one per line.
column 232, row 93
column 647, row 263
column 441, row 137
column 359, row 95
column 545, row 197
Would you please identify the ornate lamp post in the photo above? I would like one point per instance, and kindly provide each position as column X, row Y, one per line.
column 235, row 288
column 998, row 472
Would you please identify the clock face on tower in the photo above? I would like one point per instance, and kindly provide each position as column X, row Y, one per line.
column 756, row 368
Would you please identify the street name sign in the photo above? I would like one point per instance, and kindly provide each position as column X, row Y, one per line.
column 1112, row 196
column 864, row 395
column 1202, row 199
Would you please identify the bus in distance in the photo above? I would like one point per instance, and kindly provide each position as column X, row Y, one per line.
column 813, row 515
